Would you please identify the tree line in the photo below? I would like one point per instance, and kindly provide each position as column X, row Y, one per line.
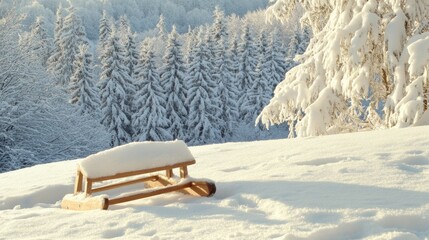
column 197, row 86
column 63, row 96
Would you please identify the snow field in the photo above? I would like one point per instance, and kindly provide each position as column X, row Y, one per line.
column 368, row 185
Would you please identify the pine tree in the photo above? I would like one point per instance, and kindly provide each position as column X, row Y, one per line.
column 150, row 121
column 260, row 92
column 217, row 36
column 224, row 74
column 259, row 95
column 160, row 27
column 41, row 44
column 234, row 56
column 72, row 35
column 227, row 89
column 303, row 39
column 173, row 82
column 275, row 60
column 292, row 50
column 105, row 30
column 114, row 90
column 189, row 44
column 202, row 120
column 131, row 61
column 248, row 61
column 56, row 51
column 82, row 87
column 219, row 27
column 124, row 29
column 132, row 55
column 161, row 37
column 213, row 52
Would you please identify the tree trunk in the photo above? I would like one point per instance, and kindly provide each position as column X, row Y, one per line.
column 386, row 82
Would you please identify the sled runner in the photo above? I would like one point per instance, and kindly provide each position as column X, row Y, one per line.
column 120, row 166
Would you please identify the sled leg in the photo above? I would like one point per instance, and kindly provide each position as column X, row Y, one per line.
column 70, row 202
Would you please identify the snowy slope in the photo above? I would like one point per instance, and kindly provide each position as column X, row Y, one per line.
column 369, row 185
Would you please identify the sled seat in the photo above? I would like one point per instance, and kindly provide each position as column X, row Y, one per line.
column 120, row 165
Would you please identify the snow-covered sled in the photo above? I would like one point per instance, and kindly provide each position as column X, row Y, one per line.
column 125, row 162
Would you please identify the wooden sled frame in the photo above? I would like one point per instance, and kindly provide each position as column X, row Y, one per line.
column 155, row 184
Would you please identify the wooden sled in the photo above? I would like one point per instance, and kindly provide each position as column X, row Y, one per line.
column 156, row 184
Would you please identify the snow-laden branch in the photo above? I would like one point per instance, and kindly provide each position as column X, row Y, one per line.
column 372, row 55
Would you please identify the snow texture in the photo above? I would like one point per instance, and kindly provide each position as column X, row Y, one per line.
column 135, row 156
column 368, row 185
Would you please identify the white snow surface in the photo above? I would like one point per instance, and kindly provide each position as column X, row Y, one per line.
column 135, row 156
column 367, row 185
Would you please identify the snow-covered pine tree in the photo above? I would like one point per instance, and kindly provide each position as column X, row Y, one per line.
column 114, row 90
column 161, row 38
column 173, row 76
column 304, row 36
column 216, row 34
column 227, row 88
column 248, row 61
column 293, row 43
column 213, row 52
column 292, row 50
column 150, row 122
column 72, row 35
column 219, row 27
column 362, row 52
column 131, row 61
column 217, row 40
column 191, row 35
column 124, row 28
column 259, row 93
column 264, row 56
column 83, row 91
column 131, row 53
column 105, row 30
column 276, row 60
column 161, row 30
column 202, row 118
column 41, row 43
column 56, row 51
column 234, row 57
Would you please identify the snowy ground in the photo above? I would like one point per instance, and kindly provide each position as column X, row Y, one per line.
column 372, row 185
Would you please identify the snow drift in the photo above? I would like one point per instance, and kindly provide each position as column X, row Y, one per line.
column 368, row 185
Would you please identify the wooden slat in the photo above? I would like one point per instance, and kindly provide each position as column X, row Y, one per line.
column 122, row 184
column 88, row 187
column 150, row 193
column 198, row 188
column 162, row 181
column 133, row 173
column 78, row 182
column 169, row 173
column 183, row 172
